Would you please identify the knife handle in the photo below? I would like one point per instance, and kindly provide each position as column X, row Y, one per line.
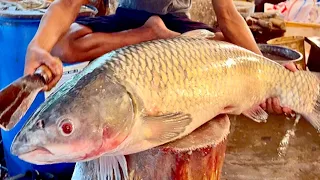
column 45, row 73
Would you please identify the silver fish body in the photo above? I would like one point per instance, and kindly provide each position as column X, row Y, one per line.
column 151, row 93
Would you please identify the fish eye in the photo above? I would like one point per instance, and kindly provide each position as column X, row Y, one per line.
column 66, row 127
column 40, row 124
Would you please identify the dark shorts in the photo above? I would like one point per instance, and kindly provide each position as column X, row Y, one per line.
column 125, row 19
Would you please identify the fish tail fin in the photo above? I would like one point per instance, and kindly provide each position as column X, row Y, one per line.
column 304, row 96
column 112, row 167
column 314, row 115
column 314, row 119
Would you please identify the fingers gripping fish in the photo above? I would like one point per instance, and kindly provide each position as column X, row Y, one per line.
column 145, row 95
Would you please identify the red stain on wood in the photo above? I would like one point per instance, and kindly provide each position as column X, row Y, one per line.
column 167, row 163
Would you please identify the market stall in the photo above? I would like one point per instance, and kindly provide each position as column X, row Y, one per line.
column 285, row 31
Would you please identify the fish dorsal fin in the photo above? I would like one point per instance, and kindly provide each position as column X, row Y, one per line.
column 199, row 33
column 110, row 167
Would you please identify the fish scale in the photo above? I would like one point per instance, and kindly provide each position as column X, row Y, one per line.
column 193, row 63
column 190, row 65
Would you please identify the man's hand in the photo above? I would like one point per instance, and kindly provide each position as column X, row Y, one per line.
column 36, row 57
column 50, row 30
column 272, row 105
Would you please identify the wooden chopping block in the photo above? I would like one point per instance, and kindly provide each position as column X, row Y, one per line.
column 200, row 155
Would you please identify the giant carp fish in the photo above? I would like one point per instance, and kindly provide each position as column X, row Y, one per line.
column 148, row 94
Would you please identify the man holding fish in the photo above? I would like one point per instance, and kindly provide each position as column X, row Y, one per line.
column 148, row 93
column 134, row 22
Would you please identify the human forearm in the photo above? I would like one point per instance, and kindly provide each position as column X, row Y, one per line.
column 93, row 45
column 233, row 26
column 56, row 22
column 237, row 32
column 81, row 44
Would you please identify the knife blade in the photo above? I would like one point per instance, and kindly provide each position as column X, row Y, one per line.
column 16, row 98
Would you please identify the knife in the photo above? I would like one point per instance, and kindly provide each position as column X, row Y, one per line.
column 16, row 98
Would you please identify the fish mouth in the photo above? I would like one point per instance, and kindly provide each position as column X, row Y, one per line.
column 42, row 150
column 43, row 156
column 37, row 156
column 39, row 151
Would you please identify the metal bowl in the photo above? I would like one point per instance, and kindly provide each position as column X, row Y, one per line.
column 281, row 54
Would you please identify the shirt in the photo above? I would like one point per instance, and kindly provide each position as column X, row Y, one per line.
column 176, row 7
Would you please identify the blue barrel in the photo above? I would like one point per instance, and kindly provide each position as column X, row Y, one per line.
column 16, row 31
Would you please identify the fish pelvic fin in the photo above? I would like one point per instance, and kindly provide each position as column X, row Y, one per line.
column 314, row 119
column 164, row 128
column 257, row 114
column 111, row 168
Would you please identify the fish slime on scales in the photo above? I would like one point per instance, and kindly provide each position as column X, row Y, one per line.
column 156, row 92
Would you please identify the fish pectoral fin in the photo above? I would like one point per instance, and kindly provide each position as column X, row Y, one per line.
column 199, row 33
column 109, row 167
column 165, row 127
column 257, row 114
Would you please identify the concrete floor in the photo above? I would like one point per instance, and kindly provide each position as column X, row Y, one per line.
column 253, row 150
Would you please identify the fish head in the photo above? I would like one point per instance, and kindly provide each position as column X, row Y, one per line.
column 81, row 121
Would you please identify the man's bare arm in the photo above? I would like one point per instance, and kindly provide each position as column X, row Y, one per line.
column 236, row 31
column 60, row 15
column 54, row 24
column 233, row 26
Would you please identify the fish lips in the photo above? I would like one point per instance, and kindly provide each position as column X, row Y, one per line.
column 42, row 156
column 37, row 155
column 22, row 147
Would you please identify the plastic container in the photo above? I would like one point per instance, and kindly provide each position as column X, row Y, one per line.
column 17, row 29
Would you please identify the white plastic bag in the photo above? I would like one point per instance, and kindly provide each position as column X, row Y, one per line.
column 305, row 11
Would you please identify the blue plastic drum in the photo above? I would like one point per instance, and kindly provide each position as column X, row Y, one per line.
column 16, row 31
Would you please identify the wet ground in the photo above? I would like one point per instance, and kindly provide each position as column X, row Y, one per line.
column 253, row 150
